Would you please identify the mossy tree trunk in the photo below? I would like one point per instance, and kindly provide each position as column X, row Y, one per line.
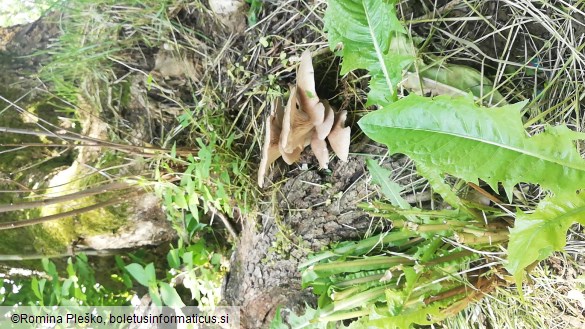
column 20, row 92
column 26, row 103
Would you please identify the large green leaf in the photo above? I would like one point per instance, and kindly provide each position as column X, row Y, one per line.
column 137, row 271
column 535, row 236
column 458, row 137
column 364, row 30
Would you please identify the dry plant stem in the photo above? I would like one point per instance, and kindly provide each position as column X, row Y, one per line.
column 447, row 294
column 110, row 202
column 4, row 258
column 481, row 287
column 45, row 145
column 136, row 150
column 64, row 198
column 214, row 212
column 485, row 193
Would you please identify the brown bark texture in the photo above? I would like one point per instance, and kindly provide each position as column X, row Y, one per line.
column 309, row 212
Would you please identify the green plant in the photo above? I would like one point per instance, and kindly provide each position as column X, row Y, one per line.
column 443, row 132
column 434, row 263
column 95, row 70
column 205, row 187
column 364, row 31
column 253, row 11
column 410, row 275
column 77, row 285
column 193, row 266
column 160, row 292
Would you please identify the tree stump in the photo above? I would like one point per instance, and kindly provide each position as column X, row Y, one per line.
column 310, row 212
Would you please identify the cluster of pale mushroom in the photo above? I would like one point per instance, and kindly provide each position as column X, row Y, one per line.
column 305, row 120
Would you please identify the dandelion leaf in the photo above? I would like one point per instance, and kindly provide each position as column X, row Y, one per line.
column 456, row 136
column 537, row 235
column 363, row 30
column 390, row 189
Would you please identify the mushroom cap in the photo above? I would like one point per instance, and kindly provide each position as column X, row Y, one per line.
column 319, row 147
column 306, row 89
column 325, row 128
column 340, row 137
column 296, row 125
column 271, row 147
column 277, row 112
column 293, row 156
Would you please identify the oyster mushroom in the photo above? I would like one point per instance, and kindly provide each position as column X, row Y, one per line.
column 304, row 120
column 296, row 124
column 325, row 128
column 304, row 110
column 307, row 95
column 339, row 137
column 271, row 148
column 318, row 144
column 319, row 147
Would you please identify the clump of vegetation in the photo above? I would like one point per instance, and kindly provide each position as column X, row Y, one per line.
column 140, row 125
column 176, row 113
column 435, row 263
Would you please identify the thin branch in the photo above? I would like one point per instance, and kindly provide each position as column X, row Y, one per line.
column 63, row 134
column 103, row 252
column 29, row 222
column 68, row 197
column 224, row 220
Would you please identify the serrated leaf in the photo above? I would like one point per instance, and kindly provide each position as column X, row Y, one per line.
column 456, row 136
column 364, row 28
column 536, row 236
column 390, row 189
column 360, row 323
column 438, row 183
column 421, row 316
